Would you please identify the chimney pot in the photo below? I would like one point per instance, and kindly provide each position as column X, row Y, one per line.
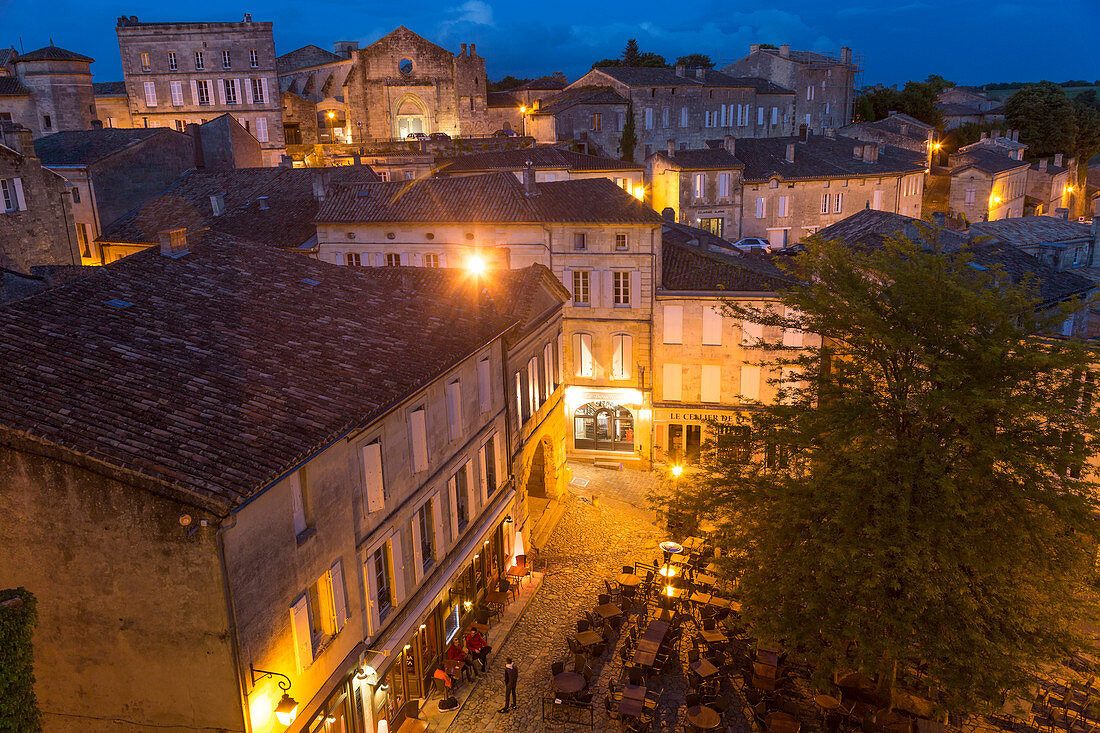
column 1062, row 214
column 830, row 132
column 996, row 134
column 845, row 55
column 803, row 132
column 785, row 50
column 473, row 50
column 1043, row 164
column 754, row 47
column 680, row 68
column 97, row 124
column 248, row 17
column 790, row 152
column 671, row 146
column 320, row 183
column 463, row 53
column 1057, row 160
column 701, row 73
column 529, row 179
column 729, row 142
column 262, row 201
column 217, row 203
column 1016, row 136
column 857, row 151
column 173, row 242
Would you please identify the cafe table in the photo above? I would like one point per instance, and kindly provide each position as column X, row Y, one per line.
column 769, row 658
column 569, row 683
column 497, row 596
column 645, row 657
column 635, row 692
column 703, row 668
column 780, row 722
column 827, row 703
column 713, row 636
column 703, row 717
column 609, row 610
column 589, row 638
column 631, row 707
column 630, row 580
column 692, row 543
column 452, row 667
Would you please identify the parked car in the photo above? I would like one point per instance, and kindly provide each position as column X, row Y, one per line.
column 441, row 137
column 752, row 243
column 416, row 136
column 506, row 133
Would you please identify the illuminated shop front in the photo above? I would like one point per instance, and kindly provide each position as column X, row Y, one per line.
column 679, row 434
column 608, row 420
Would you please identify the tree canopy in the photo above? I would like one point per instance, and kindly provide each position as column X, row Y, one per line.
column 1045, row 118
column 916, row 99
column 918, row 492
column 695, row 61
column 628, row 141
column 18, row 705
column 631, row 56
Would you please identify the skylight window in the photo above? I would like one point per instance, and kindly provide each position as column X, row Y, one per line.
column 119, row 303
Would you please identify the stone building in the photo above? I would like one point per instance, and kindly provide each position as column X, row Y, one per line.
column 966, row 105
column 111, row 103
column 823, row 85
column 897, row 129
column 572, row 115
column 324, row 546
column 46, row 90
column 1053, row 240
column 510, row 110
column 400, row 84
column 182, row 73
column 549, row 164
column 36, row 214
column 1051, row 186
column 702, row 187
column 690, row 106
column 989, row 179
column 225, row 143
column 111, row 172
column 601, row 242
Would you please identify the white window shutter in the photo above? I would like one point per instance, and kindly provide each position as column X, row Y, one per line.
column 792, row 336
column 261, row 129
column 617, row 356
column 711, row 390
column 561, row 359
column 750, row 333
column 567, row 279
column 419, row 434
column 712, row 326
column 263, row 90
column 790, row 379
column 303, row 639
column 452, row 497
column 20, row 199
column 671, row 389
column 578, row 357
column 221, row 90
column 454, row 409
column 533, row 383
column 194, row 93
column 520, row 397
column 397, row 568
column 608, row 291
column 674, row 324
column 548, row 373
column 750, row 383
column 484, row 385
column 635, row 288
column 150, row 94
column 482, row 478
column 437, row 521
column 294, row 481
column 248, row 90
column 418, row 547
column 471, row 495
column 595, row 285
column 339, row 594
column 237, row 90
column 627, row 356
column 498, row 456
column 372, row 476
column 372, row 596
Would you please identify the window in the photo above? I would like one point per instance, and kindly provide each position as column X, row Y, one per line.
column 716, row 226
column 824, row 203
column 489, row 465
column 200, row 62
column 454, row 409
column 533, row 385
column 173, row 65
column 76, row 197
column 712, row 326
column 723, row 185
column 876, row 200
column 581, row 281
column 519, row 398
column 761, row 207
column 760, row 115
column 683, row 117
column 750, row 333
column 82, row 237
column 674, row 324
column 461, row 497
column 582, row 354
column 665, row 117
column 671, row 385
column 711, row 383
column 621, row 287
column 431, row 260
column 145, row 62
column 352, row 259
column 261, row 129
column 203, row 88
column 150, row 94
column 425, row 524
column 810, row 93
column 733, row 443
column 775, row 115
column 622, row 356
column 970, row 197
column 230, row 86
column 838, row 203
column 649, row 118
column 393, row 259
column 698, row 184
column 259, row 86
column 226, row 63
column 620, row 242
column 548, row 360
column 47, row 122
column 783, row 209
column 176, row 88
column 254, row 59
column 418, row 439
column 299, row 506
column 372, row 476
column 750, row 383
column 381, row 570
column 580, row 241
column 597, row 121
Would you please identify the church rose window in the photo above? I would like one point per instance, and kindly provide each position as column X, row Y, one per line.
column 405, row 66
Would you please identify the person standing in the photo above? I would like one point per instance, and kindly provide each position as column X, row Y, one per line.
column 511, row 675
column 476, row 645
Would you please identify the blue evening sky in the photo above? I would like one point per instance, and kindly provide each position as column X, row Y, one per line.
column 968, row 42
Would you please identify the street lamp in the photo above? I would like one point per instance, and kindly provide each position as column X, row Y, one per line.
column 287, row 709
column 523, row 119
column 677, row 470
column 476, row 265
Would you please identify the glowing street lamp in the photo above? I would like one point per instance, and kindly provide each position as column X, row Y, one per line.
column 476, row 265
column 287, row 709
column 677, row 470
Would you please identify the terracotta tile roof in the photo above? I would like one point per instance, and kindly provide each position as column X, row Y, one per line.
column 286, row 223
column 10, row 86
column 15, row 285
column 490, row 198
column 109, row 88
column 1032, row 230
column 7, row 55
column 53, row 53
column 305, row 57
column 582, row 95
column 542, row 156
column 81, row 147
column 871, row 228
column 543, row 83
column 702, row 159
column 655, row 76
column 820, row 157
column 695, row 260
column 234, row 362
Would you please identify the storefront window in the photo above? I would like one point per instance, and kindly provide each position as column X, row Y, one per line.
column 684, row 442
column 603, row 426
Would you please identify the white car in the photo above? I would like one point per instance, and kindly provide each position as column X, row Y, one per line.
column 749, row 242
column 416, row 136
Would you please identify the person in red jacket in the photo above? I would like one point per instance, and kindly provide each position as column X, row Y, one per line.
column 475, row 642
column 454, row 651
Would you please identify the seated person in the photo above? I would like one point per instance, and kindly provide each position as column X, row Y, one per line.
column 475, row 642
column 454, row 651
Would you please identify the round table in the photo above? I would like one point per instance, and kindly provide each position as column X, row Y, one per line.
column 779, row 722
column 630, row 580
column 703, row 717
column 569, row 682
column 827, row 703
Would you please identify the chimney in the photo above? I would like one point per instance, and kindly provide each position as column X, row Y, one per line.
column 463, row 52
column 754, row 47
column 803, row 132
column 790, row 152
column 785, row 50
column 868, row 153
column 1062, row 214
column 97, row 124
column 217, row 203
column 473, row 50
column 680, row 69
column 845, row 55
column 262, row 201
column 285, row 161
column 904, row 129
column 248, row 17
column 939, row 218
column 1057, row 160
column 857, row 151
column 995, row 134
column 729, row 142
column 985, row 136
column 668, row 214
column 320, row 183
column 529, row 179
column 23, row 140
column 173, row 242
column 830, row 132
column 1043, row 165
column 671, row 146
column 891, row 113
column 195, row 131
column 701, row 73
column 1015, row 136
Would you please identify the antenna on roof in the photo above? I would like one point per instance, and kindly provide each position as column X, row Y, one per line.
column 51, row 41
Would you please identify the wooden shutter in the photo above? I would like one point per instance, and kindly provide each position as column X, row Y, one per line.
column 622, row 355
column 671, row 387
column 397, row 568
column 194, row 93
column 261, row 129
column 263, row 90
column 454, row 409
column 237, row 90
column 750, row 333
column 221, row 90
column 297, row 505
column 498, row 456
column 607, row 289
column 303, row 638
column 419, row 434
column 437, row 528
column 519, row 398
column 471, row 496
column 711, row 389
column 750, row 383
column 594, row 287
column 533, row 383
column 482, row 478
column 418, row 547
column 372, row 476
column 567, row 280
column 372, row 595
column 674, row 324
column 339, row 594
column 548, row 373
column 452, row 498
column 248, row 90
column 20, row 199
column 560, row 374
column 792, row 336
column 712, row 326
column 635, row 288
column 484, row 385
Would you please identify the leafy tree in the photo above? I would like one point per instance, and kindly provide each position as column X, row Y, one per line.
column 919, row 100
column 631, row 56
column 695, row 61
column 938, row 83
column 18, row 706
column 629, row 139
column 917, row 497
column 1045, row 118
column 876, row 103
column 508, row 82
column 1088, row 98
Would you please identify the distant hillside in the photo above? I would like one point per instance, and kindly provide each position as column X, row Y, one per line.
column 1004, row 90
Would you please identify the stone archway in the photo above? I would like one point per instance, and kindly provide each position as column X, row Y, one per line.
column 542, row 472
column 410, row 116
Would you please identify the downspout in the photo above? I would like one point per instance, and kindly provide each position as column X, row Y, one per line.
column 652, row 307
column 227, row 524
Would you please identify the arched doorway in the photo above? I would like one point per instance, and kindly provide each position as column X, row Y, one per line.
column 536, row 477
column 603, row 426
column 410, row 117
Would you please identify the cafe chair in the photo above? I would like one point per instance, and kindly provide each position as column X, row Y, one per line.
column 610, row 707
column 628, row 570
column 611, row 590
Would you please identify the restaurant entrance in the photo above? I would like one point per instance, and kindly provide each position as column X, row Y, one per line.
column 684, row 442
column 603, row 426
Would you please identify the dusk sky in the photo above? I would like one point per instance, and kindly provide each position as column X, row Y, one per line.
column 968, row 42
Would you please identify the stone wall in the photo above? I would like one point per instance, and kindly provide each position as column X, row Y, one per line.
column 134, row 175
column 62, row 90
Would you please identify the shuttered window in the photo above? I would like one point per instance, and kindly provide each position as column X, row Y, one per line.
column 298, row 502
column 339, row 595
column 792, row 336
column 303, row 639
column 418, row 433
column 622, row 356
column 712, row 326
column 150, row 94
column 750, row 333
column 520, row 418
column 674, row 324
column 484, row 388
column 533, row 383
column 711, row 383
column 582, row 354
column 750, row 383
column 454, row 409
column 548, row 371
column 671, row 386
column 372, row 476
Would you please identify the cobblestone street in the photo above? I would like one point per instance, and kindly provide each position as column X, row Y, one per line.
column 589, row 545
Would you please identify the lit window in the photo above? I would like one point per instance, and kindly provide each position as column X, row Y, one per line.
column 699, row 184
column 597, row 122
column 581, row 287
column 352, row 259
column 431, row 260
column 621, row 286
column 620, row 242
column 145, row 62
column 393, row 259
column 382, row 580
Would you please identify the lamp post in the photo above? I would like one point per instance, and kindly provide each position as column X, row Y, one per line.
column 669, row 548
column 287, row 709
column 523, row 119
